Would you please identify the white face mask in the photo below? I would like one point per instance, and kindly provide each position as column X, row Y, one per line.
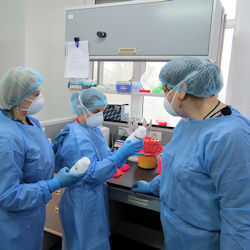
column 95, row 120
column 35, row 106
column 168, row 106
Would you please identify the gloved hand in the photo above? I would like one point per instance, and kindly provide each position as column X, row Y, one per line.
column 127, row 149
column 64, row 178
column 141, row 187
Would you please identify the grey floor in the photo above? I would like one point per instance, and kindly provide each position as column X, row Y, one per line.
column 53, row 242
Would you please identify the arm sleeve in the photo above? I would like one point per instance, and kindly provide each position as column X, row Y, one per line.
column 77, row 145
column 154, row 185
column 231, row 175
column 107, row 151
column 118, row 164
column 14, row 195
column 100, row 171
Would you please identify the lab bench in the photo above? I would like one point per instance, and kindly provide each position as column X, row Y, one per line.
column 133, row 216
column 119, row 188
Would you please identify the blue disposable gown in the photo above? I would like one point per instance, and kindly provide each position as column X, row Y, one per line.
column 205, row 185
column 83, row 207
column 26, row 161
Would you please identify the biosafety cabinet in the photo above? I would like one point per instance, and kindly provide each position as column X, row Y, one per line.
column 149, row 30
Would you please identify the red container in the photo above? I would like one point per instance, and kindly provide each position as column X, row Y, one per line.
column 161, row 122
column 144, row 90
column 159, row 165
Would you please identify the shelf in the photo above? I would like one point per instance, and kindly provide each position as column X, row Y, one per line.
column 133, row 93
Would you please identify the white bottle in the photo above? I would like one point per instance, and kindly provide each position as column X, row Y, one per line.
column 138, row 134
column 81, row 166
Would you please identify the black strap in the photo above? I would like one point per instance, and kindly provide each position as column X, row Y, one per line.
column 211, row 110
column 223, row 112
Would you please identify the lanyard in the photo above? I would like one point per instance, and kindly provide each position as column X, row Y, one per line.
column 211, row 110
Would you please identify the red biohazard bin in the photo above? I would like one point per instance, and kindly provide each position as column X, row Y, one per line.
column 152, row 148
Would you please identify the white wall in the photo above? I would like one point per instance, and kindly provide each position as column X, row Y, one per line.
column 238, row 92
column 45, row 52
column 34, row 37
column 12, row 36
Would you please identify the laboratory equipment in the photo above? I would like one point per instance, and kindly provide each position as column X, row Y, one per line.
column 147, row 162
column 118, row 173
column 161, row 122
column 157, row 89
column 116, row 112
column 128, row 86
column 132, row 125
column 121, row 170
column 167, row 21
column 125, row 168
column 136, row 86
column 151, row 149
column 138, row 134
column 147, row 125
column 159, row 165
column 83, row 84
column 149, row 79
column 81, row 166
column 105, row 131
column 123, row 86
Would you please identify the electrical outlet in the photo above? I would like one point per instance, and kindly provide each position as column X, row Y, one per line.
column 155, row 134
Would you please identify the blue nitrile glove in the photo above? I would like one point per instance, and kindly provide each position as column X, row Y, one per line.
column 127, row 149
column 64, row 178
column 141, row 187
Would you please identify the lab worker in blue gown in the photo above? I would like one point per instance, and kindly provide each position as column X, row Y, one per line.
column 26, row 162
column 83, row 207
column 205, row 180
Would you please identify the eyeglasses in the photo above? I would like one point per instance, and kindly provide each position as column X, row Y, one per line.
column 166, row 89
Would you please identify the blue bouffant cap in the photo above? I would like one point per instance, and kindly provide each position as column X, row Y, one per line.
column 17, row 84
column 90, row 98
column 203, row 78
